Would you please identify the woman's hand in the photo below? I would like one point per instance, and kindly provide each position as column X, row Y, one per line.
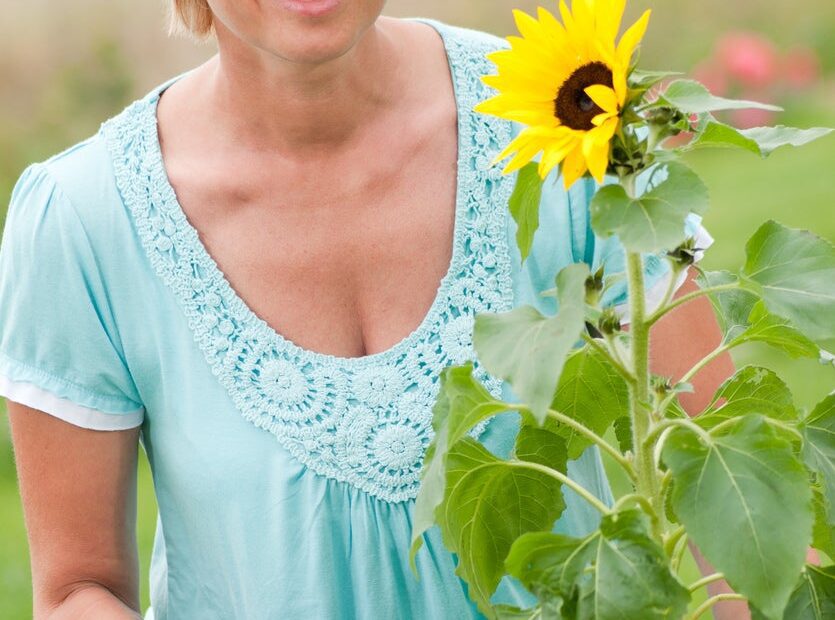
column 78, row 488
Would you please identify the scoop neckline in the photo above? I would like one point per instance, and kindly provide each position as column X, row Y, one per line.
column 264, row 329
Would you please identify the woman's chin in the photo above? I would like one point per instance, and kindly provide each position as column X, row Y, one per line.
column 311, row 8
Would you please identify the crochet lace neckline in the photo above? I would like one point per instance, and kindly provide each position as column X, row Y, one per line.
column 363, row 420
column 462, row 185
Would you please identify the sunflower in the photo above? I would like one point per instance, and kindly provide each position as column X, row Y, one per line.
column 566, row 82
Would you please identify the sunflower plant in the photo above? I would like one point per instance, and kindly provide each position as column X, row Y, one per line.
column 750, row 481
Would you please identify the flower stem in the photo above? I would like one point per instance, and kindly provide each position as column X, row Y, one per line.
column 634, row 498
column 705, row 581
column 666, row 308
column 647, row 476
column 725, row 596
column 563, row 479
column 705, row 361
column 622, row 370
column 594, row 438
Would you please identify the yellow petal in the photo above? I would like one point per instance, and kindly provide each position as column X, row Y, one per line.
column 554, row 154
column 603, row 96
column 550, row 24
column 596, row 152
column 517, row 144
column 609, row 16
column 573, row 167
column 528, row 27
column 619, row 80
column 524, row 156
column 600, row 118
column 630, row 39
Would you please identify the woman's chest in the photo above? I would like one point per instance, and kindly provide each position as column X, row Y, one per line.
column 345, row 263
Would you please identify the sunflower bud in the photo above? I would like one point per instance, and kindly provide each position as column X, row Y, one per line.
column 661, row 386
column 685, row 254
column 609, row 322
column 662, row 115
column 594, row 287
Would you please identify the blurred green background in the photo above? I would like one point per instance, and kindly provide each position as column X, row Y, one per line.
column 67, row 66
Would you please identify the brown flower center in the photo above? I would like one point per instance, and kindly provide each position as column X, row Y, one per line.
column 573, row 107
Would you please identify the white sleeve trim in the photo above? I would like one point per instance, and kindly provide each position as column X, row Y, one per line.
column 655, row 293
column 33, row 396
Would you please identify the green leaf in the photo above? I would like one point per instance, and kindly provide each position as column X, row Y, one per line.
column 823, row 532
column 793, row 271
column 539, row 559
column 771, row 138
column 462, row 403
column 644, row 79
column 547, row 610
column 654, row 221
column 814, row 596
column 524, row 207
column 623, row 433
column 819, row 448
column 592, row 392
column 751, row 390
column 759, row 140
column 736, row 494
column 617, row 572
column 528, row 349
column 488, row 504
column 776, row 331
column 732, row 307
column 691, row 96
column 538, row 445
column 744, row 318
column 712, row 133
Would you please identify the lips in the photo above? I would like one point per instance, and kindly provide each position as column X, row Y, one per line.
column 311, row 8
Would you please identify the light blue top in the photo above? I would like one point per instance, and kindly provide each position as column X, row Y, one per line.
column 285, row 478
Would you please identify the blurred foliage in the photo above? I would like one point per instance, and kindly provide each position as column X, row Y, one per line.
column 67, row 66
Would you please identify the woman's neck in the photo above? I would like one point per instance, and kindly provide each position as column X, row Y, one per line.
column 272, row 103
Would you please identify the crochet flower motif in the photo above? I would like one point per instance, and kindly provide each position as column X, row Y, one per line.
column 457, row 339
column 397, row 447
column 283, row 382
column 378, row 386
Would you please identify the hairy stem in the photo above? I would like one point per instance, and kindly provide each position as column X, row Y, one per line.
column 636, row 498
column 705, row 581
column 563, row 479
column 594, row 438
column 666, row 308
column 616, row 362
column 647, row 483
column 705, row 361
column 671, row 544
column 726, row 596
column 678, row 553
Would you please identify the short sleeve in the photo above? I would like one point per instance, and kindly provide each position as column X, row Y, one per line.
column 59, row 348
column 608, row 252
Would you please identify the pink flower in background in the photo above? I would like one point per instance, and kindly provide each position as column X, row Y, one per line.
column 800, row 67
column 747, row 65
column 752, row 117
column 712, row 75
column 748, row 57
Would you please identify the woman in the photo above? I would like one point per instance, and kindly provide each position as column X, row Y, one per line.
column 258, row 270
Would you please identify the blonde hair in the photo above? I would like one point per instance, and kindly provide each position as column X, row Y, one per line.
column 191, row 16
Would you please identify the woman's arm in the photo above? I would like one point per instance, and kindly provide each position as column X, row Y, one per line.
column 78, row 488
